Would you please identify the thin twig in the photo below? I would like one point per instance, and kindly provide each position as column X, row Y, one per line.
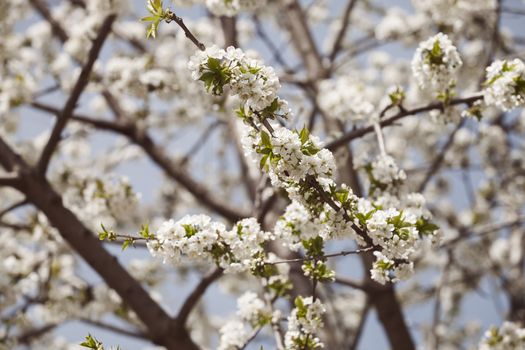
column 331, row 255
column 201, row 140
column 252, row 336
column 13, row 207
column 135, row 334
column 259, row 29
column 350, row 283
column 171, row 16
column 342, row 31
column 357, row 133
column 432, row 170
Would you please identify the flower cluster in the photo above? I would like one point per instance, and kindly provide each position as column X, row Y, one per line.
column 505, row 85
column 304, row 321
column 291, row 156
column 397, row 231
column 384, row 174
column 397, row 23
column 386, row 270
column 297, row 225
column 345, row 98
column 320, row 210
column 460, row 15
column 435, row 63
column 509, row 336
column 255, row 84
column 251, row 309
column 233, row 335
column 233, row 7
column 201, row 240
column 107, row 200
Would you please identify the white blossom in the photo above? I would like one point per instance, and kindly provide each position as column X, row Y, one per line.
column 505, row 85
column 436, row 63
column 510, row 336
column 304, row 322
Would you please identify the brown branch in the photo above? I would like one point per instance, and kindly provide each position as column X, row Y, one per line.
column 13, row 207
column 101, row 124
column 196, row 295
column 357, row 133
column 433, row 169
column 171, row 16
column 302, row 38
column 9, row 181
column 360, row 326
column 16, row 227
column 26, row 337
column 56, row 28
column 109, row 327
column 161, row 159
column 326, row 256
column 200, row 141
column 252, row 336
column 40, row 193
column 259, row 29
column 71, row 103
column 338, row 43
column 351, row 283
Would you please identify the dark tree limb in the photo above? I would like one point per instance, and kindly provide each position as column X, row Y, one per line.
column 72, row 101
column 196, row 295
column 40, row 193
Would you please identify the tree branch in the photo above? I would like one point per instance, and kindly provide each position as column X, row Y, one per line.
column 173, row 169
column 357, row 133
column 13, row 207
column 173, row 17
column 432, row 170
column 40, row 193
column 196, row 295
column 56, row 29
column 342, row 31
column 9, row 181
column 79, row 87
column 331, row 255
column 135, row 334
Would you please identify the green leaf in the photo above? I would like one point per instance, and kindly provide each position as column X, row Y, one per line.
column 214, row 64
column 92, row 343
column 426, row 227
column 436, row 49
column 145, row 232
column 304, row 135
column 152, row 31
column 265, row 139
column 341, row 195
column 148, row 19
column 127, row 243
column 262, row 163
column 102, row 235
column 190, row 230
